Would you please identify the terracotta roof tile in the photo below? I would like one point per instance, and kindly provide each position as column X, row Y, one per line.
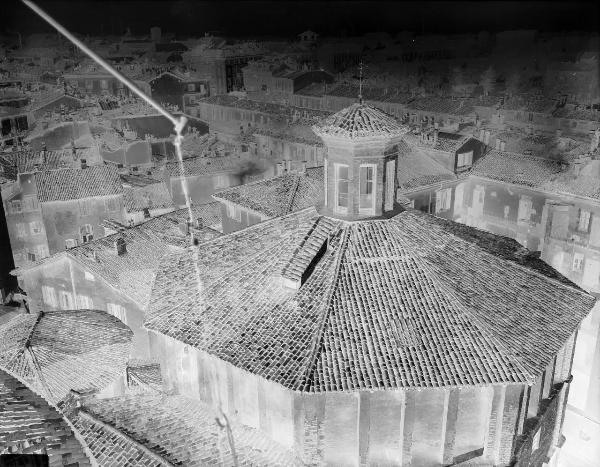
column 151, row 196
column 154, row 429
column 517, row 168
column 360, row 121
column 133, row 272
column 419, row 170
column 279, row 195
column 69, row 184
column 57, row 351
column 30, row 425
column 414, row 301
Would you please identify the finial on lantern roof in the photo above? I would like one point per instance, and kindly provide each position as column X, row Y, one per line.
column 360, row 70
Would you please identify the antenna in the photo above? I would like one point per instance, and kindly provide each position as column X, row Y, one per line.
column 360, row 77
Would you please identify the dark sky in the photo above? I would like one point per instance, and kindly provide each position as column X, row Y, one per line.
column 288, row 18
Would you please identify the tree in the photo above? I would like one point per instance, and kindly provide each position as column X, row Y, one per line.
column 488, row 80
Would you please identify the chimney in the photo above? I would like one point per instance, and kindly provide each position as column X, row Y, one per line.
column 558, row 132
column 502, row 145
column 199, row 223
column 120, row 246
column 288, row 166
column 482, row 134
column 303, row 167
column 435, row 137
column 83, row 163
column 487, row 137
column 279, row 169
column 497, row 144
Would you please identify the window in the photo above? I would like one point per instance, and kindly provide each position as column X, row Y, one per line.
column 16, row 207
column 87, row 233
column 117, row 311
column 36, row 227
column 584, row 220
column 191, row 87
column 65, row 299
column 30, row 255
column 111, row 204
column 49, row 296
column 21, row 230
column 84, row 302
column 146, row 213
column 70, row 243
column 443, row 200
column 30, row 203
column 103, row 84
column 221, row 181
column 234, row 212
column 390, row 182
column 578, row 262
column 89, row 84
column 465, row 160
column 341, row 188
column 85, row 207
column 366, row 200
column 42, row 252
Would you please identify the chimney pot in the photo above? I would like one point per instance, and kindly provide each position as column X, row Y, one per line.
column 502, row 145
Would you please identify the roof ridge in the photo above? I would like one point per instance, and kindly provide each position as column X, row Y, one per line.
column 308, row 378
column 451, row 296
column 292, row 194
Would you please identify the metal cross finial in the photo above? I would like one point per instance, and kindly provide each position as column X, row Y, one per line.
column 360, row 68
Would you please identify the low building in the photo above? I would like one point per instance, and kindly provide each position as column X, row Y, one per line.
column 115, row 273
column 52, row 210
column 205, row 175
column 145, row 198
column 178, row 89
column 249, row 204
column 453, row 151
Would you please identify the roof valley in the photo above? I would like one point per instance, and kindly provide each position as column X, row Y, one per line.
column 308, row 380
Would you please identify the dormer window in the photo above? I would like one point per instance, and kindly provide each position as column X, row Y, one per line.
column 367, row 188
column 341, row 188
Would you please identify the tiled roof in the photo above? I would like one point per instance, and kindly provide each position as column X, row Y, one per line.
column 517, row 168
column 152, row 196
column 360, row 121
column 581, row 185
column 529, row 104
column 280, row 195
column 577, row 114
column 30, row 425
column 133, row 273
column 414, row 301
column 201, row 165
column 308, row 138
column 57, row 351
column 68, row 184
column 442, row 105
column 156, row 429
column 264, row 107
column 29, row 161
column 418, row 170
column 449, row 142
